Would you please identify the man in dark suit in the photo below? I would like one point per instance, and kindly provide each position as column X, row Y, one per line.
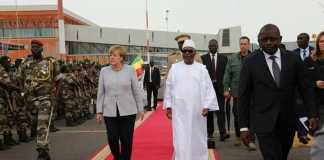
column 303, row 50
column 216, row 65
column 152, row 79
column 267, row 95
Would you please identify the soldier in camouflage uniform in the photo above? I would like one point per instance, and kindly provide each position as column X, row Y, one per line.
column 38, row 76
column 87, row 88
column 67, row 92
column 21, row 118
column 84, row 92
column 78, row 99
column 82, row 97
column 7, row 110
column 4, row 104
column 94, row 75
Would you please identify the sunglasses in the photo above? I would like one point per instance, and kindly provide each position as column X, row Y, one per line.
column 188, row 51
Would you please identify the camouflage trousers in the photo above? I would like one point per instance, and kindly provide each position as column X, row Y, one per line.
column 41, row 108
column 71, row 108
column 4, row 127
column 21, row 118
column 86, row 105
column 83, row 105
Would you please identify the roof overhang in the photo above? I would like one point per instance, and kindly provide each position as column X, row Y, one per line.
column 26, row 8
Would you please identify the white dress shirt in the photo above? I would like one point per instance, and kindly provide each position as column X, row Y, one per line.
column 211, row 57
column 151, row 73
column 302, row 53
column 269, row 61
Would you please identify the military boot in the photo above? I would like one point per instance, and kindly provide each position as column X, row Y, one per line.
column 89, row 116
column 53, row 128
column 8, row 140
column 33, row 132
column 3, row 146
column 69, row 122
column 43, row 154
column 22, row 134
column 79, row 119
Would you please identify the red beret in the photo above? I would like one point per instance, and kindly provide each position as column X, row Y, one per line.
column 37, row 42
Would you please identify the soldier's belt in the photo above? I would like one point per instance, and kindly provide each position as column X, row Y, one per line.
column 41, row 98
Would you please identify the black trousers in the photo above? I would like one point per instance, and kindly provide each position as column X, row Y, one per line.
column 210, row 129
column 151, row 88
column 221, row 114
column 277, row 144
column 236, row 120
column 228, row 114
column 120, row 128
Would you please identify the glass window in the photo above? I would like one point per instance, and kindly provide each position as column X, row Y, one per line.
column 29, row 33
column 226, row 38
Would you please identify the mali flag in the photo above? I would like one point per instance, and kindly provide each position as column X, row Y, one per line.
column 137, row 65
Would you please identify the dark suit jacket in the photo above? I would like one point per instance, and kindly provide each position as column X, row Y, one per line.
column 261, row 102
column 220, row 70
column 156, row 77
column 297, row 50
column 299, row 101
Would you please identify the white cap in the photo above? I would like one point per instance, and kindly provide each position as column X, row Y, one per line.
column 189, row 43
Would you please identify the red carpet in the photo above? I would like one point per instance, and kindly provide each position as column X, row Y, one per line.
column 153, row 139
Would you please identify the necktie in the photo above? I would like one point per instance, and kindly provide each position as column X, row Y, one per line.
column 275, row 70
column 150, row 74
column 213, row 67
column 304, row 54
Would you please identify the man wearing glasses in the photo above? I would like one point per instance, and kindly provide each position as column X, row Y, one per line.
column 177, row 56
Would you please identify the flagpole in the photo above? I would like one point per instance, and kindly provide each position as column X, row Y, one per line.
column 147, row 34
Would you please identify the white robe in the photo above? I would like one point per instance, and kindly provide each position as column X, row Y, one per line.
column 188, row 91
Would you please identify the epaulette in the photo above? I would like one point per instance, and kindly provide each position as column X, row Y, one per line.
column 27, row 62
column 51, row 59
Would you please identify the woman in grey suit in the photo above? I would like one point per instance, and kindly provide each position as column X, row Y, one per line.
column 119, row 100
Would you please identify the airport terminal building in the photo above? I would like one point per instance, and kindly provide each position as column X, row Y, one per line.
column 71, row 37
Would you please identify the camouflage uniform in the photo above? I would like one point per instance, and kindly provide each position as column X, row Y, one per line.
column 38, row 78
column 78, row 98
column 86, row 93
column 95, row 70
column 21, row 117
column 68, row 92
column 4, row 105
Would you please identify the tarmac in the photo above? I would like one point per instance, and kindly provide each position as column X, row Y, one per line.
column 83, row 142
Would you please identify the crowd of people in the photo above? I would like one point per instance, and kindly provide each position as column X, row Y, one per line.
column 37, row 91
column 275, row 92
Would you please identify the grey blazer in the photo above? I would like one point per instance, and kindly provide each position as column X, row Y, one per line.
column 119, row 89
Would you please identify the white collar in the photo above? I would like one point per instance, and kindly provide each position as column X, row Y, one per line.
column 212, row 54
column 277, row 54
column 307, row 49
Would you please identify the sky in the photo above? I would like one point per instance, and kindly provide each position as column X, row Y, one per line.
column 200, row 16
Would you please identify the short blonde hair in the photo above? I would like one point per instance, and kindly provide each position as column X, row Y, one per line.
column 119, row 49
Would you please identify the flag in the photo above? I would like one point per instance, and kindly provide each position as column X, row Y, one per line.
column 137, row 65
